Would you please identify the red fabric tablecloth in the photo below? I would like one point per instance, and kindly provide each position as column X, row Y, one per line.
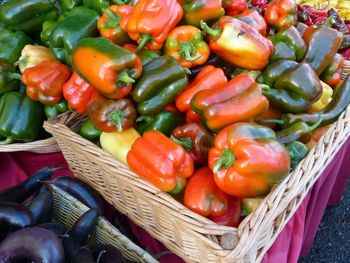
column 295, row 240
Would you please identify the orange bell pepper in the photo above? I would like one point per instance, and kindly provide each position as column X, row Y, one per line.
column 208, row 78
column 247, row 160
column 151, row 21
column 239, row 43
column 161, row 161
column 240, row 99
column 186, row 44
column 44, row 81
column 205, row 198
column 281, row 13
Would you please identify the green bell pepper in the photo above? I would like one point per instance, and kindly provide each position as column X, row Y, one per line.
column 164, row 121
column 297, row 152
column 288, row 44
column 20, row 117
column 68, row 5
column 27, row 15
column 272, row 72
column 147, row 55
column 80, row 22
column 8, row 80
column 2, row 25
column 52, row 110
column 11, row 45
column 47, row 27
column 97, row 5
column 161, row 81
column 295, row 90
column 90, row 131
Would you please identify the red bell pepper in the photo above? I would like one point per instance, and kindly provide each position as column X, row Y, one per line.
column 281, row 13
column 332, row 74
column 254, row 19
column 234, row 7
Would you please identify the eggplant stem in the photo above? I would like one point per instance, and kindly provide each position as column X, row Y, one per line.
column 98, row 260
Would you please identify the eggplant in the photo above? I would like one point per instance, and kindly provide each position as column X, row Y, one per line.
column 108, row 254
column 80, row 190
column 41, row 207
column 83, row 227
column 13, row 216
column 19, row 193
column 56, row 228
column 33, row 243
column 84, row 256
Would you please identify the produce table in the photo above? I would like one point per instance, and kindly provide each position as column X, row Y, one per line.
column 294, row 241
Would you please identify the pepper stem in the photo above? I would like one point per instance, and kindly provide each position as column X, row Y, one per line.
column 124, row 77
column 264, row 87
column 13, row 75
column 98, row 260
column 113, row 18
column 187, row 71
column 226, row 160
column 21, row 61
column 279, row 122
column 215, row 33
column 187, row 50
column 317, row 123
column 185, row 142
column 329, row 22
column 144, row 39
column 8, row 140
column 117, row 117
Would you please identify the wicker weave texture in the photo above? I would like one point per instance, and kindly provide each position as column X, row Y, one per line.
column 189, row 235
column 67, row 210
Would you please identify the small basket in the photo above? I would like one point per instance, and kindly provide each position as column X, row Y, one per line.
column 67, row 210
column 189, row 235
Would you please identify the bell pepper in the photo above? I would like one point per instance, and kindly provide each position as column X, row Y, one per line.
column 195, row 139
column 271, row 113
column 8, row 78
column 44, row 81
column 164, row 121
column 109, row 25
column 90, row 131
column 326, row 98
column 238, row 43
column 193, row 117
column 234, row 7
column 119, row 143
column 186, row 44
column 247, row 160
column 27, row 15
column 11, row 45
column 239, row 100
column 297, row 152
column 52, row 110
column 274, row 70
column 295, row 90
column 111, row 69
column 111, row 115
column 330, row 113
column 203, row 197
column 21, row 118
column 207, row 10
column 332, row 74
column 32, row 56
column 323, row 43
column 250, row 204
column 316, row 135
column 162, row 80
column 288, row 44
column 78, row 93
column 281, row 13
column 47, row 27
column 161, row 161
column 68, row 5
column 144, row 55
column 79, row 23
column 208, row 78
column 151, row 21
column 254, row 19
column 99, row 5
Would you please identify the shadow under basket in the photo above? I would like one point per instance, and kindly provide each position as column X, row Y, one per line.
column 189, row 235
column 67, row 210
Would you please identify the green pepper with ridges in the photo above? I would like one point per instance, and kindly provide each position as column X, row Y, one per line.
column 8, row 78
column 89, row 130
column 11, row 45
column 52, row 110
column 297, row 151
column 47, row 27
column 68, row 5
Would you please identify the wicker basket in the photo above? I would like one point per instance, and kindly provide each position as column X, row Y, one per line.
column 346, row 68
column 67, row 210
column 42, row 146
column 189, row 235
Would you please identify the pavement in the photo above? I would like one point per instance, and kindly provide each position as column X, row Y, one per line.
column 332, row 241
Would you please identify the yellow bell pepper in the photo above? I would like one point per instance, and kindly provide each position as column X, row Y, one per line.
column 119, row 143
column 324, row 100
column 32, row 56
column 250, row 204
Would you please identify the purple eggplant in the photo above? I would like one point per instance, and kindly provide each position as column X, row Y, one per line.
column 19, row 193
column 56, row 228
column 108, row 254
column 41, row 207
column 81, row 191
column 84, row 226
column 33, row 243
column 84, row 256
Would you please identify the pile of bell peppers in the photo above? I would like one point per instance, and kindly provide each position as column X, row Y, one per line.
column 212, row 101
